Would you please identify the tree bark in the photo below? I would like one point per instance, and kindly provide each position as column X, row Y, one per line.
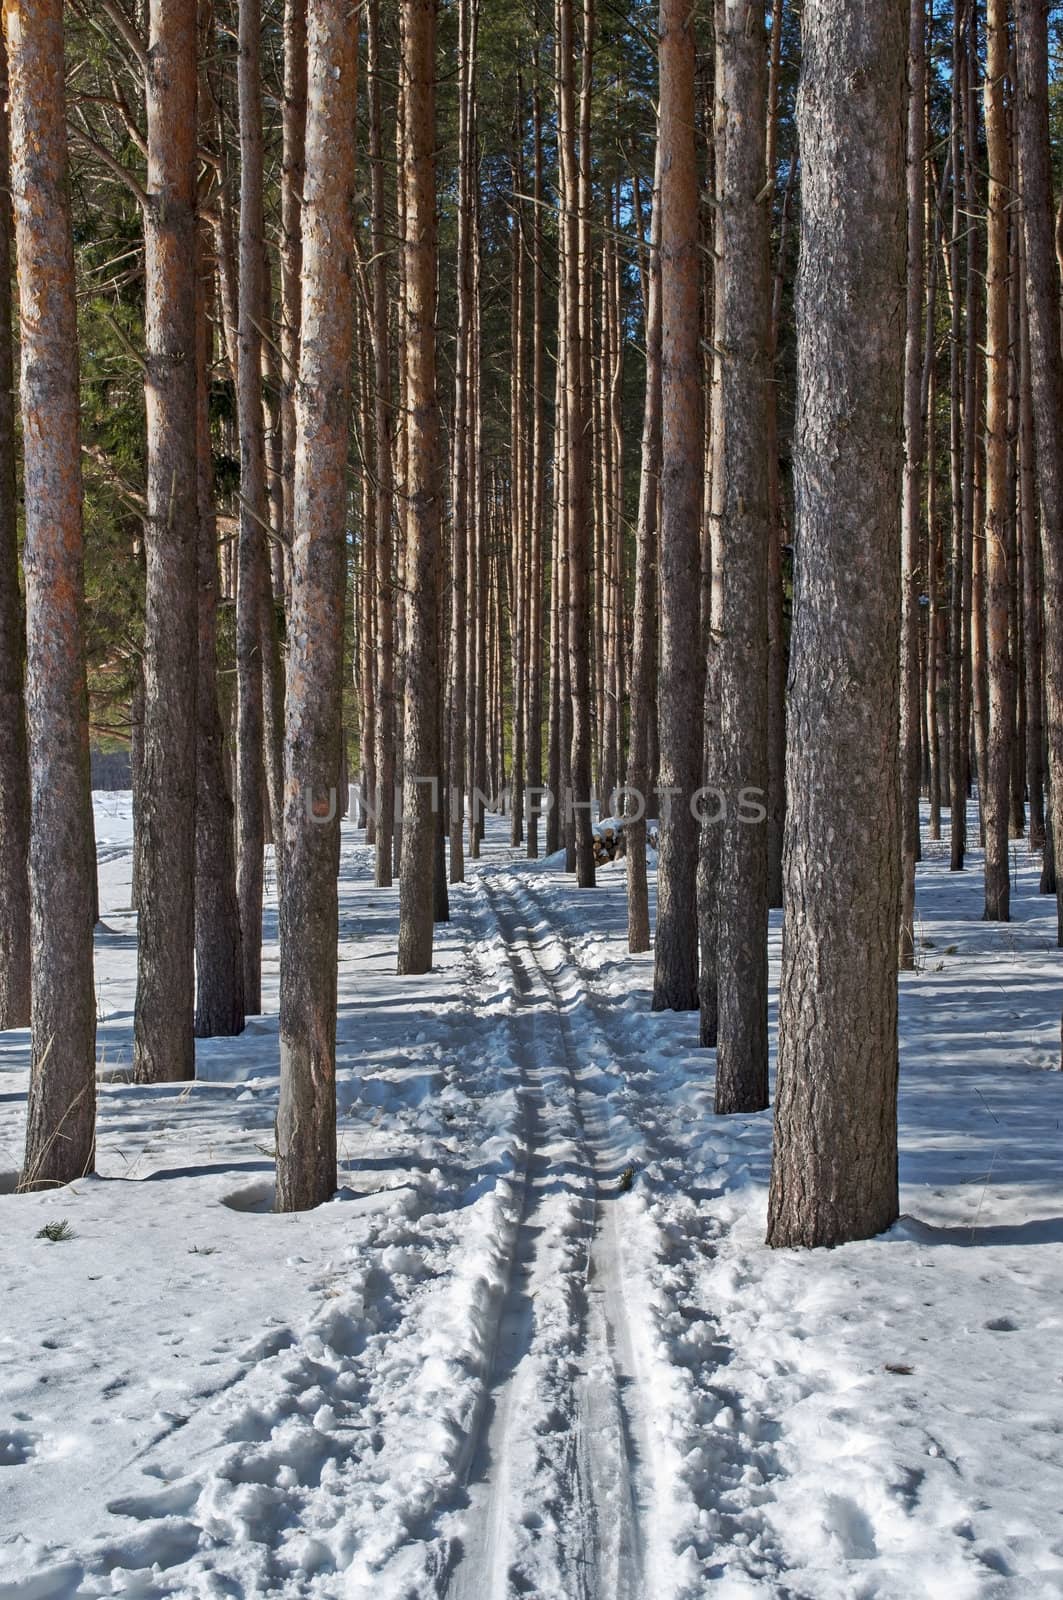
column 163, row 1042
column 309, row 925
column 996, row 801
column 61, row 1109
column 644, row 647
column 14, row 763
column 834, row 1168
column 912, row 488
column 675, row 971
column 1046, row 373
column 252, row 575
column 219, row 957
column 742, row 526
column 421, row 761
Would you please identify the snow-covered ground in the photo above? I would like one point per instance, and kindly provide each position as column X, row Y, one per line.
column 536, row 1345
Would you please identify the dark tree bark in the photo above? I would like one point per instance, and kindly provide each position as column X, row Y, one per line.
column 576, row 461
column 15, row 788
column 309, row 928
column 293, row 177
column 219, row 956
column 538, row 498
column 253, row 570
column 742, row 525
column 644, row 646
column 421, row 763
column 912, row 489
column 61, row 1109
column 675, row 970
column 163, row 1043
column 834, row 1169
column 996, row 798
column 384, row 429
column 1046, row 371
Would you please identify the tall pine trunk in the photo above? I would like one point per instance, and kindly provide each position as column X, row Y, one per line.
column 834, row 1169
column 996, row 800
column 163, row 1043
column 1046, row 373
column 421, row 763
column 253, row 571
column 742, row 526
column 61, row 1109
column 675, row 971
column 313, row 754
column 15, row 788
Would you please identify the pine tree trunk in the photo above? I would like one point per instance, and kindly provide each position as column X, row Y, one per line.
column 958, row 710
column 384, row 429
column 293, row 176
column 219, row 956
column 578, row 515
column 421, row 747
column 912, row 489
column 740, row 557
column 163, row 1044
column 61, row 1108
column 252, row 574
column 675, row 971
column 1001, row 707
column 538, row 499
column 1046, row 374
column 309, row 916
column 644, row 649
column 1030, row 541
column 834, row 1168
column 15, row 788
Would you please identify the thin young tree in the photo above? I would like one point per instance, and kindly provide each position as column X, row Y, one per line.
column 309, row 921
column 15, row 788
column 421, row 763
column 675, row 969
column 741, row 529
column 834, row 1167
column 163, row 1043
column 61, row 1109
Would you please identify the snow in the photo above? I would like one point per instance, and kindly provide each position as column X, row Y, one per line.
column 536, row 1345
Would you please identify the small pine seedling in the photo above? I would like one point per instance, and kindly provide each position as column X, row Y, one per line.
column 627, row 1178
column 56, row 1232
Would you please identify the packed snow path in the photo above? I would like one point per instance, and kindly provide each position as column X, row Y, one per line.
column 496, row 1367
column 559, row 1475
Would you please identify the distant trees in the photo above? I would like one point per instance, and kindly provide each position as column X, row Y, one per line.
column 61, row 1113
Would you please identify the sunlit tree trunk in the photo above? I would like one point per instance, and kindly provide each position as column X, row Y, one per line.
column 163, row 1045
column 309, row 916
column 15, row 788
column 61, row 1107
column 834, row 1166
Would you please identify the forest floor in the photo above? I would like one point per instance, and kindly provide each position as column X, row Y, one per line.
column 536, row 1345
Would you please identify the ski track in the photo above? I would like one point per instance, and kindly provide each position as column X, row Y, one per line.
column 564, row 1418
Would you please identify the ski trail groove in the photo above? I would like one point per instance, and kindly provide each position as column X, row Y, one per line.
column 557, row 1481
